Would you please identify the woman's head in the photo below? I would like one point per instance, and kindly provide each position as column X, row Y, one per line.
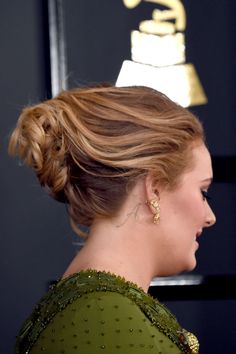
column 89, row 146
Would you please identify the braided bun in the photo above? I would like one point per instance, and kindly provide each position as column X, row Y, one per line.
column 39, row 141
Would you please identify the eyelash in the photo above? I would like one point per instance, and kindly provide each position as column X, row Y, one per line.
column 205, row 195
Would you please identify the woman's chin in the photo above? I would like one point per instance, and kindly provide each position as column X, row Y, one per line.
column 191, row 265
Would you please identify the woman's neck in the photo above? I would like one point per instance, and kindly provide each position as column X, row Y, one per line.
column 119, row 250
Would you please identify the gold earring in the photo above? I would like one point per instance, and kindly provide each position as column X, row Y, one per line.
column 156, row 206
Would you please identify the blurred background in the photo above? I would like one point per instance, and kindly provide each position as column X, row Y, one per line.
column 37, row 242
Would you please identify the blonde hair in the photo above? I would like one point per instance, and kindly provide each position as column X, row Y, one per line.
column 89, row 145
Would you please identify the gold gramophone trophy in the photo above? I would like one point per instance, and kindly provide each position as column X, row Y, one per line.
column 158, row 55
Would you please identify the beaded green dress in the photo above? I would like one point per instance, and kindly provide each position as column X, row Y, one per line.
column 99, row 313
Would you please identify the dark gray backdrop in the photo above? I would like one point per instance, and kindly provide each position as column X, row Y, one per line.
column 36, row 240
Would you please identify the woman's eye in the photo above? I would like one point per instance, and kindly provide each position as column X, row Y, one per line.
column 205, row 195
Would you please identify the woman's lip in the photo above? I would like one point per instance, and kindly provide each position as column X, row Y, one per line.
column 199, row 233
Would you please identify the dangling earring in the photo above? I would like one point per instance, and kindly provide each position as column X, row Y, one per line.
column 156, row 206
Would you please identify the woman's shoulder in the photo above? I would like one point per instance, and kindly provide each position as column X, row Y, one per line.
column 106, row 308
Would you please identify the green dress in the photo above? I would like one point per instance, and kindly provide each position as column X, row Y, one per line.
column 99, row 313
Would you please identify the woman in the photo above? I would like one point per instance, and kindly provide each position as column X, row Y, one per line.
column 133, row 166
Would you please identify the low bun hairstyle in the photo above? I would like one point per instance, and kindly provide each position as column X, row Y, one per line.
column 88, row 146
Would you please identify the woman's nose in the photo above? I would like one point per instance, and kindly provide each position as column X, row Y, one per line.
column 211, row 218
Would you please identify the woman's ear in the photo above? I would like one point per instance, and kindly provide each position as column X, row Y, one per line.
column 151, row 188
column 153, row 198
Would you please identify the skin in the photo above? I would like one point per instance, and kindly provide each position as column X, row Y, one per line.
column 132, row 246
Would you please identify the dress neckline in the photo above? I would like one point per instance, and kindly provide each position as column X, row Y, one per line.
column 90, row 272
column 92, row 275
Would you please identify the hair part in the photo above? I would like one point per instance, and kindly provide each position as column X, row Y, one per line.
column 88, row 146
